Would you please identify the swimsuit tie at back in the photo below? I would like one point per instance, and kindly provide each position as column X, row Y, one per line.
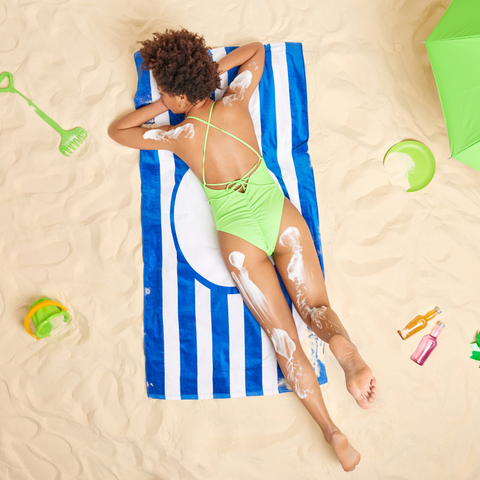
column 237, row 185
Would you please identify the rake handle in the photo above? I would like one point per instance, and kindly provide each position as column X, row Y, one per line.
column 42, row 115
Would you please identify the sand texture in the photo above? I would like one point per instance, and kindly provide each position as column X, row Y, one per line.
column 75, row 406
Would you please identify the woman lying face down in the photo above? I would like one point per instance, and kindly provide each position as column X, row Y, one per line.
column 254, row 219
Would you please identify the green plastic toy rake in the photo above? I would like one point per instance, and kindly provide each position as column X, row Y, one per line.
column 71, row 139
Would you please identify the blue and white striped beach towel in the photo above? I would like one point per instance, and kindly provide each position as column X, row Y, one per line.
column 201, row 341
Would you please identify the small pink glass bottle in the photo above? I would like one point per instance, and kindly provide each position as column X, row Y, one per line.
column 427, row 344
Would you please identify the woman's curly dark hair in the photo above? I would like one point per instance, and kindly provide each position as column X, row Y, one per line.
column 181, row 65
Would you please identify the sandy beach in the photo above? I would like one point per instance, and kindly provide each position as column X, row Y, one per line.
column 74, row 406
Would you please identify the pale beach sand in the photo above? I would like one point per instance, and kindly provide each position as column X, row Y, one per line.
column 75, row 406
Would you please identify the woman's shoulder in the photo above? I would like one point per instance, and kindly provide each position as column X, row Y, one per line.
column 235, row 93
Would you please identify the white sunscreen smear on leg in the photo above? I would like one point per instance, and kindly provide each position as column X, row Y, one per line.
column 285, row 347
column 318, row 316
column 283, row 344
column 239, row 85
column 296, row 268
column 186, row 130
column 250, row 292
column 296, row 273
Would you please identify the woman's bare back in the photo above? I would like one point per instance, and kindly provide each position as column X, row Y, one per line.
column 226, row 158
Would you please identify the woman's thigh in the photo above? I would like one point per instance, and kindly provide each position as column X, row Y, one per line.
column 257, row 281
column 297, row 262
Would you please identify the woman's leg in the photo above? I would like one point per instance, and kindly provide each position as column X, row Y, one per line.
column 258, row 283
column 297, row 263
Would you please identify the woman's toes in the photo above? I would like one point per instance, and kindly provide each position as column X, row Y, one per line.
column 362, row 400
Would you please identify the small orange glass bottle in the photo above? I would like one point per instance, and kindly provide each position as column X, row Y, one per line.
column 418, row 323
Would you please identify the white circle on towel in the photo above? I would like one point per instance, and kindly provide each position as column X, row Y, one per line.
column 196, row 232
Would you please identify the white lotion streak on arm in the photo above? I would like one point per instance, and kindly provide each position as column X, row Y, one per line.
column 285, row 347
column 186, row 130
column 251, row 293
column 239, row 85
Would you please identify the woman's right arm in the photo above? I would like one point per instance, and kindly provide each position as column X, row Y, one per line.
column 128, row 130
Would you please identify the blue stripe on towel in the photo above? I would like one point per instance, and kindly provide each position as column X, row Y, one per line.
column 232, row 73
column 300, row 130
column 152, row 237
column 188, row 332
column 143, row 94
column 269, row 120
column 220, row 345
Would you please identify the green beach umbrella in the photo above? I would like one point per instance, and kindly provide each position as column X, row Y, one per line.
column 454, row 51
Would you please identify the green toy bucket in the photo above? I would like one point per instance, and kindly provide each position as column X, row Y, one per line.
column 46, row 315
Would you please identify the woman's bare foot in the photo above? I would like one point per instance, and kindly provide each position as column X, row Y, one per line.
column 359, row 378
column 346, row 454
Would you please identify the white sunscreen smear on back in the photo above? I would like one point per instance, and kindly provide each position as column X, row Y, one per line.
column 163, row 136
column 399, row 165
column 285, row 347
column 250, row 292
column 239, row 85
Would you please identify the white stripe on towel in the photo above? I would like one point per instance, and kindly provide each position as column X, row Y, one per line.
column 203, row 321
column 284, row 122
column 237, row 345
column 169, row 282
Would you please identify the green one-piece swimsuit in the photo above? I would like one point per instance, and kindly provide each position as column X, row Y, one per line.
column 250, row 207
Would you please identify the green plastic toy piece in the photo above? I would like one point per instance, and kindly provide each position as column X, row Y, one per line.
column 424, row 161
column 71, row 139
column 476, row 349
column 43, row 319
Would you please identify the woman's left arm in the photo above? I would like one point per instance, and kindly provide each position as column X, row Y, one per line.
column 251, row 59
column 128, row 131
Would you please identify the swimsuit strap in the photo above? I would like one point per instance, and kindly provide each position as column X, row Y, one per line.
column 233, row 183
